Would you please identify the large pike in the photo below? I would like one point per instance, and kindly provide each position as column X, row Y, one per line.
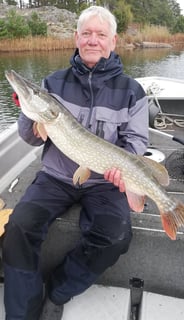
column 142, row 176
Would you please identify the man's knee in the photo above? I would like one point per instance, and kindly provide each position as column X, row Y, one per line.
column 23, row 236
column 29, row 216
column 111, row 254
column 99, row 257
column 107, row 229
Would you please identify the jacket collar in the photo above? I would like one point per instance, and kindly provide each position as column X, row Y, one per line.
column 111, row 66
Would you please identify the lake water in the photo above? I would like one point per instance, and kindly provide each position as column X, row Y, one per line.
column 35, row 66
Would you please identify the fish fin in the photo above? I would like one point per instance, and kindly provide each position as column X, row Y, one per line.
column 172, row 220
column 2, row 203
column 81, row 175
column 158, row 170
column 4, row 217
column 135, row 201
column 41, row 130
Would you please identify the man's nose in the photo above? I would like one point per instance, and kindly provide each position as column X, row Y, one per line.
column 93, row 39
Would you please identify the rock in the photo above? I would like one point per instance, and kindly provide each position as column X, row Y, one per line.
column 147, row 44
column 61, row 23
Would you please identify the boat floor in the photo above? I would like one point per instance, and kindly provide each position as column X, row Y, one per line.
column 113, row 303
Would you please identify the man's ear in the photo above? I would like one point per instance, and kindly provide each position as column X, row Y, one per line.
column 76, row 37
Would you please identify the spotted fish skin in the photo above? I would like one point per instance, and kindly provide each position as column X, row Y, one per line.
column 142, row 177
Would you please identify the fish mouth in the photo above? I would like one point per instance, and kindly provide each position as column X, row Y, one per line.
column 17, row 83
column 13, row 76
column 9, row 75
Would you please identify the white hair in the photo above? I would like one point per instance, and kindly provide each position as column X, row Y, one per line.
column 103, row 13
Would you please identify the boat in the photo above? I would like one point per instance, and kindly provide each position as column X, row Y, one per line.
column 166, row 118
column 166, row 101
column 151, row 275
column 167, row 91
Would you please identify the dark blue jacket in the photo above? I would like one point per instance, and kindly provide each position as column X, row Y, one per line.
column 104, row 100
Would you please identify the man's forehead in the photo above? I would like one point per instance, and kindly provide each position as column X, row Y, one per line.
column 98, row 25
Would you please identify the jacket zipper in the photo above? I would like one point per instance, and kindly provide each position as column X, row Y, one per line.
column 88, row 125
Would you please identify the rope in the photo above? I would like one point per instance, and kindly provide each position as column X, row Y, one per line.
column 179, row 123
column 175, row 161
column 162, row 120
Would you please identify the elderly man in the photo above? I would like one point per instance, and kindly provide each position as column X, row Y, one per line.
column 113, row 106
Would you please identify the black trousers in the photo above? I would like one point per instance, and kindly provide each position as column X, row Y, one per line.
column 105, row 235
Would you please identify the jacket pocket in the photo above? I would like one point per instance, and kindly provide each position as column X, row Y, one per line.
column 106, row 122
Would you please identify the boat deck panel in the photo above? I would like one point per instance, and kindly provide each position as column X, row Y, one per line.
column 163, row 87
column 113, row 303
column 155, row 306
column 98, row 302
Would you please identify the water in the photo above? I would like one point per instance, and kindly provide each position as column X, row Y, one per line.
column 137, row 63
column 34, row 67
column 155, row 62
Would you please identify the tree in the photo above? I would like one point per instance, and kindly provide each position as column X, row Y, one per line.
column 37, row 26
column 179, row 25
column 11, row 2
column 16, row 25
column 123, row 15
column 163, row 15
column 110, row 4
column 158, row 12
column 175, row 8
column 3, row 29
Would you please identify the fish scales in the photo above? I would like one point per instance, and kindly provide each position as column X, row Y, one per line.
column 96, row 154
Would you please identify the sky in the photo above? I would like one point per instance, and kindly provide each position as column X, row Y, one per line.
column 181, row 3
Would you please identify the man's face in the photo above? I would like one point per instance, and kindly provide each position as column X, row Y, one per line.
column 94, row 40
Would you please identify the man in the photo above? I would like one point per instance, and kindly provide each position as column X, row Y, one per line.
column 113, row 106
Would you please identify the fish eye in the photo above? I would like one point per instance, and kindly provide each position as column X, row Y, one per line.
column 36, row 91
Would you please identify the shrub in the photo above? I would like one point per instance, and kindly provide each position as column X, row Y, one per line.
column 179, row 25
column 16, row 25
column 3, row 29
column 37, row 26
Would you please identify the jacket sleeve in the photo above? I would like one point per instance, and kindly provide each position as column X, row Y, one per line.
column 25, row 130
column 133, row 135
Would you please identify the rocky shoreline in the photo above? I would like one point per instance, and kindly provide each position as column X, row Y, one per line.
column 61, row 24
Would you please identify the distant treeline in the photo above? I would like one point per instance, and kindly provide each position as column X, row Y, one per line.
column 165, row 13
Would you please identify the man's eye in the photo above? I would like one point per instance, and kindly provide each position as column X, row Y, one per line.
column 102, row 35
column 86, row 34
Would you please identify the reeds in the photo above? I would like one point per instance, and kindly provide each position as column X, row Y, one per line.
column 156, row 34
column 36, row 44
column 178, row 38
column 153, row 34
column 147, row 33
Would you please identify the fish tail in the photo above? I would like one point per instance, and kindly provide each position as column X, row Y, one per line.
column 172, row 220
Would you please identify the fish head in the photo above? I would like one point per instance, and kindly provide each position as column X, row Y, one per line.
column 35, row 102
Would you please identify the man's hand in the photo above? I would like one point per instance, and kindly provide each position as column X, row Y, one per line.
column 114, row 176
column 35, row 130
column 39, row 131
